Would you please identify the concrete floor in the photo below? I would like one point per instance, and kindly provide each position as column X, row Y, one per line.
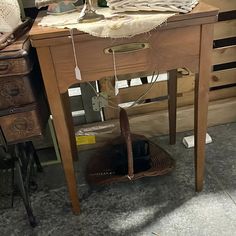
column 166, row 205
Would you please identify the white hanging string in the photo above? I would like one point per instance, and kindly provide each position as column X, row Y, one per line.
column 115, row 73
column 77, row 70
column 113, row 105
column 153, row 81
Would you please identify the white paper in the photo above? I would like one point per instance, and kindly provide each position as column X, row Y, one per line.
column 77, row 73
column 189, row 141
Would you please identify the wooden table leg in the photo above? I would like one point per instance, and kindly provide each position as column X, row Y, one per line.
column 69, row 122
column 201, row 103
column 172, row 93
column 60, row 119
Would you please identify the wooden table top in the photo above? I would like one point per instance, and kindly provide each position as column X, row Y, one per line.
column 202, row 10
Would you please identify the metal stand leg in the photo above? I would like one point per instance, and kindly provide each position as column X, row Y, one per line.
column 24, row 161
column 24, row 194
column 36, row 158
column 6, row 178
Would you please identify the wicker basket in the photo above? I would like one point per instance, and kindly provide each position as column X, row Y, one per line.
column 100, row 167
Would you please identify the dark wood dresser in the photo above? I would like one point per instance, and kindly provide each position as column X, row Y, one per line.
column 23, row 110
column 23, row 116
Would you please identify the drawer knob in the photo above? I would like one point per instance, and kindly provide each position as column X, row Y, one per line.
column 12, row 89
column 13, row 92
column 22, row 124
column 4, row 67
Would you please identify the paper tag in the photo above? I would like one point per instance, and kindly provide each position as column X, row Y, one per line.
column 83, row 140
column 77, row 73
column 116, row 87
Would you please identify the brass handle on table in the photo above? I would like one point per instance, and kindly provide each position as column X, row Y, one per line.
column 126, row 48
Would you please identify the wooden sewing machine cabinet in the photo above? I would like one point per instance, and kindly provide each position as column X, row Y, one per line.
column 184, row 41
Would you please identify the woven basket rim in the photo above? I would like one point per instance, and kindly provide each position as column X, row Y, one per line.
column 99, row 169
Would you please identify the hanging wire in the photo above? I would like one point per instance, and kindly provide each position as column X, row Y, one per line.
column 73, row 46
column 147, row 90
column 115, row 73
column 112, row 104
column 115, row 106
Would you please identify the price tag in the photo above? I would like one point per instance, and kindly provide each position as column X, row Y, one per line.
column 77, row 73
column 116, row 87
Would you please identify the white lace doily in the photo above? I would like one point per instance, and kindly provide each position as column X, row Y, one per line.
column 9, row 15
column 113, row 26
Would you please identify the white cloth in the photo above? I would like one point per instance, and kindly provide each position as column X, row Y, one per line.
column 158, row 5
column 189, row 141
column 182, row 6
column 9, row 15
column 113, row 26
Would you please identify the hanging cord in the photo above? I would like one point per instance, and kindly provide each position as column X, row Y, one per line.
column 77, row 70
column 153, row 81
column 112, row 104
column 94, row 90
column 115, row 106
column 115, row 72
column 73, row 46
column 78, row 75
column 185, row 71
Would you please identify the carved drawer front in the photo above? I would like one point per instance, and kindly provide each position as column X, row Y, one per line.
column 28, row 122
column 17, row 66
column 15, row 59
column 15, row 91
